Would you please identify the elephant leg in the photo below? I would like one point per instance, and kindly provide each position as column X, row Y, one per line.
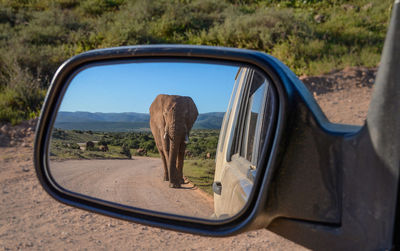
column 174, row 177
column 173, row 166
column 181, row 158
column 164, row 161
column 173, row 181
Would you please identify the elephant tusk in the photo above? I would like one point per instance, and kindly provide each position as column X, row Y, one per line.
column 165, row 131
column 187, row 139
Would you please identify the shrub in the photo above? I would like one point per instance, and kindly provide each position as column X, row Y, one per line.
column 90, row 146
column 260, row 30
column 20, row 95
column 149, row 146
column 98, row 7
column 74, row 146
column 126, row 151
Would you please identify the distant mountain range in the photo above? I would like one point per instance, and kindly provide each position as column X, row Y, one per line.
column 124, row 122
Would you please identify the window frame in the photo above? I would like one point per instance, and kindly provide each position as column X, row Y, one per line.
column 241, row 132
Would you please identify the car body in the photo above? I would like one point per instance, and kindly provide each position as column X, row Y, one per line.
column 248, row 122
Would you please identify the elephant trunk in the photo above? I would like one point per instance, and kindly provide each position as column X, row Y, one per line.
column 167, row 134
column 172, row 165
column 176, row 133
column 174, row 148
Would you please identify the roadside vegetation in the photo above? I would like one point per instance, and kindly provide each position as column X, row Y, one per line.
column 201, row 173
column 78, row 144
column 310, row 36
column 71, row 144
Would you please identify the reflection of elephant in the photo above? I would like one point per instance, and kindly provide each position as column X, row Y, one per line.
column 171, row 118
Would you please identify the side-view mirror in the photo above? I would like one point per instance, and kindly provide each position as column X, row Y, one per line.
column 128, row 131
column 217, row 141
column 181, row 134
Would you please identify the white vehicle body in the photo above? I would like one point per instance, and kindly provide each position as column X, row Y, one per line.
column 240, row 141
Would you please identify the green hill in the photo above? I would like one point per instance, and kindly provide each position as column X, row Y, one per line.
column 102, row 117
column 124, row 122
column 104, row 126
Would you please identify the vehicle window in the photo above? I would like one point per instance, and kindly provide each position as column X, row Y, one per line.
column 253, row 119
column 254, row 123
column 229, row 110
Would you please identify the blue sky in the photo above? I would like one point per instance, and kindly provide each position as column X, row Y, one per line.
column 132, row 87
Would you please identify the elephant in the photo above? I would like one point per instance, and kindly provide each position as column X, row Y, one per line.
column 171, row 119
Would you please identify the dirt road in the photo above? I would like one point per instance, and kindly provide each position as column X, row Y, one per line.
column 137, row 183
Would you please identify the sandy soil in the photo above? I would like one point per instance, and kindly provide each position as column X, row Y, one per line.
column 31, row 220
column 343, row 95
column 137, row 183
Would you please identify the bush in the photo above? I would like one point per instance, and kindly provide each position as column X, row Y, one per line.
column 149, row 146
column 260, row 30
column 58, row 134
column 125, row 150
column 90, row 146
column 98, row 7
column 74, row 146
column 20, row 96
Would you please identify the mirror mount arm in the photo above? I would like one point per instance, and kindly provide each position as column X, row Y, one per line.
column 383, row 120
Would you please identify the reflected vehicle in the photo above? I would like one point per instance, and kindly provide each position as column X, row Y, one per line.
column 248, row 122
column 129, row 133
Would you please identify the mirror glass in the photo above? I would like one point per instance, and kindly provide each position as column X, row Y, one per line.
column 179, row 137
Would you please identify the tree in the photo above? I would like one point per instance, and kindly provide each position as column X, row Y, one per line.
column 149, row 146
column 90, row 146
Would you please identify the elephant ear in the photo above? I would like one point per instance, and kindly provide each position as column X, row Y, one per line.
column 157, row 111
column 192, row 113
column 163, row 124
